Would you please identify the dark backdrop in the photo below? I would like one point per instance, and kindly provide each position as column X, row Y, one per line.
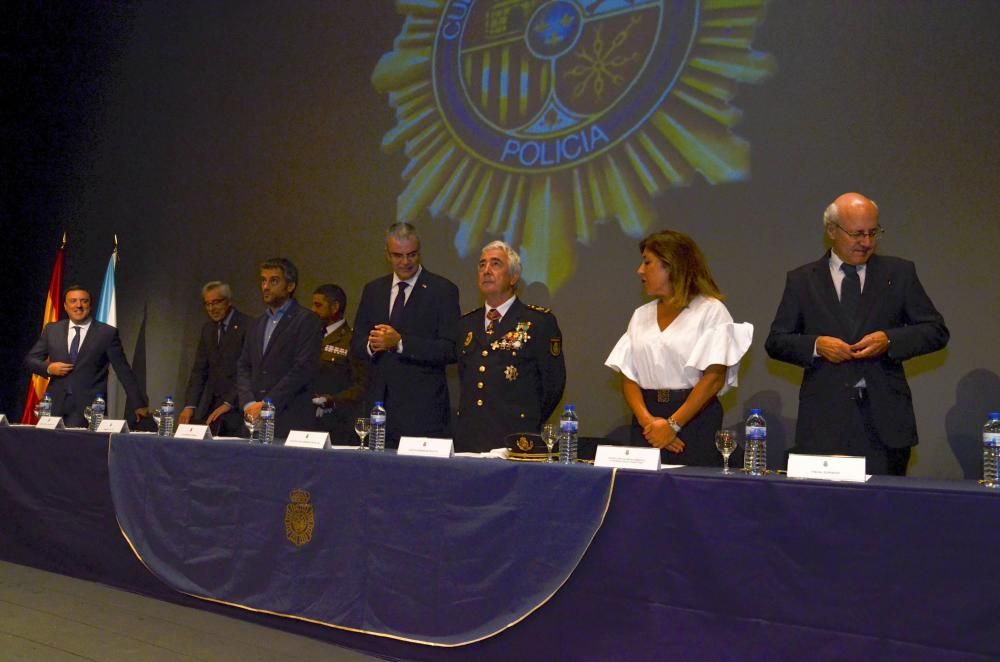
column 210, row 136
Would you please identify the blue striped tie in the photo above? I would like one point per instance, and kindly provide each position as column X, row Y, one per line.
column 74, row 347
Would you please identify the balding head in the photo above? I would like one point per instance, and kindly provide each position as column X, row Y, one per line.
column 852, row 225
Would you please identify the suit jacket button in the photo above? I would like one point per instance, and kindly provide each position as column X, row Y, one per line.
column 479, row 385
column 479, row 403
column 482, row 368
column 485, row 353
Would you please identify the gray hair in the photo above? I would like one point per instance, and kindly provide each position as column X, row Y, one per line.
column 831, row 214
column 513, row 259
column 287, row 268
column 401, row 232
column 217, row 285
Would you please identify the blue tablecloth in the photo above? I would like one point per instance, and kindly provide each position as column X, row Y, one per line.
column 688, row 563
column 419, row 549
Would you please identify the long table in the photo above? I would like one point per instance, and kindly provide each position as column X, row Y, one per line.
column 683, row 563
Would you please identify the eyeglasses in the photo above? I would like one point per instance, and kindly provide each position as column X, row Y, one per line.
column 215, row 302
column 862, row 234
column 407, row 257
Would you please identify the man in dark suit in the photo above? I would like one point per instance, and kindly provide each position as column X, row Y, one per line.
column 211, row 397
column 281, row 352
column 851, row 319
column 339, row 386
column 406, row 326
column 510, row 359
column 74, row 354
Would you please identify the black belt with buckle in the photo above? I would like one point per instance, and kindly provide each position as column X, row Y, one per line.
column 664, row 395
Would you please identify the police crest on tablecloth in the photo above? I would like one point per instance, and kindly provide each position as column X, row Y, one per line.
column 299, row 518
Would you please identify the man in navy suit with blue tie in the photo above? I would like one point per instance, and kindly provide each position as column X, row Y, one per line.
column 850, row 319
column 74, row 354
column 406, row 327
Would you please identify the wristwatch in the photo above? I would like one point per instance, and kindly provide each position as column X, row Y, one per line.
column 674, row 425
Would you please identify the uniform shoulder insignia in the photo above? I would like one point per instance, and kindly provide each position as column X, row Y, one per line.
column 538, row 308
column 472, row 312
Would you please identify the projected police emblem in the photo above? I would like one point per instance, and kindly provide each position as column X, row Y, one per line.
column 538, row 119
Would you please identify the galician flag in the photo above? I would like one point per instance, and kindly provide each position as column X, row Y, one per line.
column 53, row 302
column 107, row 309
column 107, row 312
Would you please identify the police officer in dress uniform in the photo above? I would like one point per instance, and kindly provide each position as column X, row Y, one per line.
column 340, row 384
column 510, row 360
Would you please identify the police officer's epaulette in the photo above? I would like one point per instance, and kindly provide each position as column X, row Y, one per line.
column 473, row 312
column 538, row 309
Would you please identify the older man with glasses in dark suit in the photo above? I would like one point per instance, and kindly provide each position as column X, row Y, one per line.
column 850, row 319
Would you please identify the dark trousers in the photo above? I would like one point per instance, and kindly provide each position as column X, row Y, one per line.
column 864, row 439
column 698, row 435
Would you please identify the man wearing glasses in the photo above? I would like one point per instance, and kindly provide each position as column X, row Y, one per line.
column 406, row 328
column 851, row 319
column 211, row 396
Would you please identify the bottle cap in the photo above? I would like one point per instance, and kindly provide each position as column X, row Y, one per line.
column 755, row 411
column 378, row 403
column 995, row 414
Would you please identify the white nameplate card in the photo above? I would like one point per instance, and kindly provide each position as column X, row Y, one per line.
column 306, row 439
column 628, row 457
column 426, row 447
column 847, row 468
column 3, row 421
column 111, row 425
column 191, row 431
column 50, row 423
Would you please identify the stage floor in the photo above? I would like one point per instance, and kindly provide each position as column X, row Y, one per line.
column 47, row 616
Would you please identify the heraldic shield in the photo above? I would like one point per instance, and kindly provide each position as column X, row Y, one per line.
column 299, row 518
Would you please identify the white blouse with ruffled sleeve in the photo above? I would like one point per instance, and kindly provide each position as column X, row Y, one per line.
column 703, row 334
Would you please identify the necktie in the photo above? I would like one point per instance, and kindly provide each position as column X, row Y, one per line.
column 396, row 314
column 850, row 291
column 74, row 347
column 492, row 315
column 219, row 332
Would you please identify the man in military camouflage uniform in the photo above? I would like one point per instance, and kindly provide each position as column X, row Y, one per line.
column 340, row 384
column 510, row 360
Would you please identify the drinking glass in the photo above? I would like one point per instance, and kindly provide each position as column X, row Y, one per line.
column 725, row 441
column 88, row 414
column 549, row 434
column 154, row 413
column 362, row 425
column 253, row 425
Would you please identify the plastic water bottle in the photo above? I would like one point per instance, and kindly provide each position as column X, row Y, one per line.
column 45, row 406
column 168, row 415
column 377, row 440
column 267, row 422
column 569, row 426
column 97, row 409
column 991, row 451
column 755, row 447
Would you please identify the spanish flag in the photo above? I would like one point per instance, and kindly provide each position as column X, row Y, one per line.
column 53, row 302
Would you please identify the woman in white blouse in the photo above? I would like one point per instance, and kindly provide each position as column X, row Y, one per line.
column 680, row 352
